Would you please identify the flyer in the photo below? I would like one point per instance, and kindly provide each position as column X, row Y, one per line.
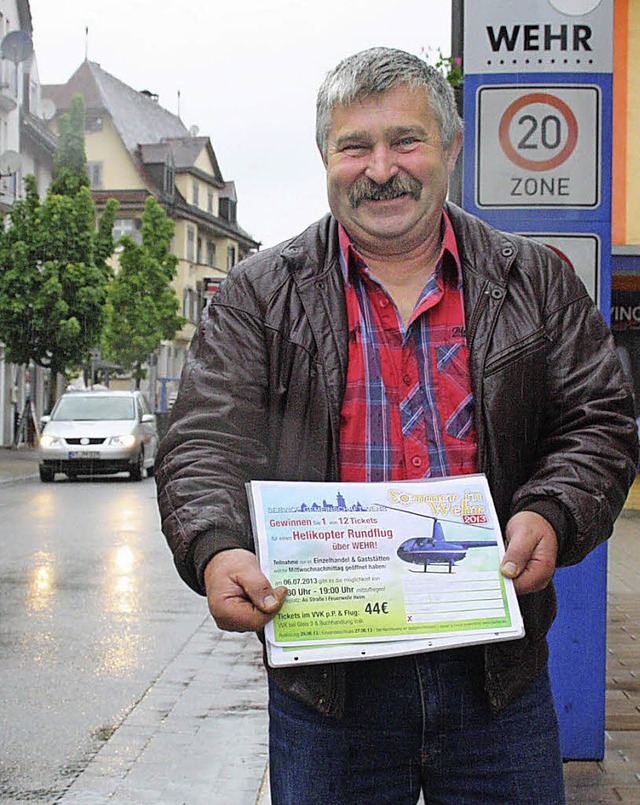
column 408, row 565
column 341, row 652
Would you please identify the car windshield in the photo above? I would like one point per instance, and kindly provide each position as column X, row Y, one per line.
column 93, row 408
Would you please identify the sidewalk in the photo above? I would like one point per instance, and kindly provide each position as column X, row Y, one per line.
column 199, row 738
column 18, row 465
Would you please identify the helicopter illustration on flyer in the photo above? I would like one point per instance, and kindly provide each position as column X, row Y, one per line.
column 436, row 549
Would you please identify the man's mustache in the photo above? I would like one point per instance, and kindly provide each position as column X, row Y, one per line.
column 365, row 189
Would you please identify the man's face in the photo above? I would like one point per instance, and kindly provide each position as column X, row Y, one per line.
column 387, row 171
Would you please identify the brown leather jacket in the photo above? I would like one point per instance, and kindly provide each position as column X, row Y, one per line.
column 261, row 395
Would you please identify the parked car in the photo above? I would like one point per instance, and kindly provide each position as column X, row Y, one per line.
column 98, row 433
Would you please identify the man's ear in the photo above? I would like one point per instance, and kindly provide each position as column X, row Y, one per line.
column 453, row 151
column 323, row 158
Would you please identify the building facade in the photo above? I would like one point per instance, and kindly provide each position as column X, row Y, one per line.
column 625, row 282
column 136, row 148
column 26, row 147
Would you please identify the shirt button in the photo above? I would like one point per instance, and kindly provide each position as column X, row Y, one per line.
column 407, row 379
column 383, row 301
column 416, row 461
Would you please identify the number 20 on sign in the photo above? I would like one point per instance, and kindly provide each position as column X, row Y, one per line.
column 538, row 147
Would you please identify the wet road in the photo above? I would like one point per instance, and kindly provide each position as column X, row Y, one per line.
column 91, row 611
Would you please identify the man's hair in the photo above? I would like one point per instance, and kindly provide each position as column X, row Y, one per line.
column 377, row 70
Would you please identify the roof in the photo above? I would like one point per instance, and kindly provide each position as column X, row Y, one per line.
column 104, row 392
column 144, row 126
column 136, row 116
column 156, row 153
column 186, row 151
column 230, row 191
column 151, row 134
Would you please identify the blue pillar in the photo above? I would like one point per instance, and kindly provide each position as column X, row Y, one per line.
column 578, row 656
column 537, row 160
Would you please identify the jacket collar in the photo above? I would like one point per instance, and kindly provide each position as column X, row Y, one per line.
column 476, row 241
column 315, row 251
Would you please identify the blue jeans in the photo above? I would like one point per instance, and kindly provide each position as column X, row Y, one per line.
column 417, row 723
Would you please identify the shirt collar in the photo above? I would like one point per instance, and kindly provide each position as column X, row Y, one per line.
column 448, row 260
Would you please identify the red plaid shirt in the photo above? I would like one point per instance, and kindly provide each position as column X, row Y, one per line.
column 408, row 408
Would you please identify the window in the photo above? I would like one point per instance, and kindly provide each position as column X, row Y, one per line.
column 169, row 179
column 94, row 171
column 199, row 255
column 127, row 226
column 210, row 199
column 8, row 187
column 191, row 244
column 190, row 305
column 108, row 407
column 93, row 122
column 34, row 97
column 228, row 210
column 231, row 256
column 195, row 194
column 144, row 405
column 9, row 87
column 211, row 253
column 26, row 93
column 186, row 302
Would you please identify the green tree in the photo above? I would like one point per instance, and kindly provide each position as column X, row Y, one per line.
column 70, row 158
column 142, row 308
column 53, row 263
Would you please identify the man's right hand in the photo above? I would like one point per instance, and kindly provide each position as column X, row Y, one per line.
column 240, row 597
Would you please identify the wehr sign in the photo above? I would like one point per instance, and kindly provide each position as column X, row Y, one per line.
column 537, row 93
column 545, row 152
column 537, row 161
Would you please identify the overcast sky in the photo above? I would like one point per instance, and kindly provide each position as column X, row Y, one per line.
column 246, row 73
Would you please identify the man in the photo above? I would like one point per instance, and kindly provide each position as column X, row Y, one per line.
column 401, row 338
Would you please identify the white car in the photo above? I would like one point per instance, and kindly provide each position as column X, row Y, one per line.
column 98, row 433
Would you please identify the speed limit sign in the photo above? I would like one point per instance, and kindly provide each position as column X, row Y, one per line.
column 538, row 146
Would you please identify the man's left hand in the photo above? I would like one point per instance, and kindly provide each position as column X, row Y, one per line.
column 532, row 550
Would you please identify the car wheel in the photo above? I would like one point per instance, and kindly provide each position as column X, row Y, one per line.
column 46, row 475
column 136, row 473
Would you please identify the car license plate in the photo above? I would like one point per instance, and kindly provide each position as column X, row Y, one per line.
column 84, row 454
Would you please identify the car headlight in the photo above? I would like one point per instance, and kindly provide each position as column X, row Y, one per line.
column 49, row 441
column 127, row 440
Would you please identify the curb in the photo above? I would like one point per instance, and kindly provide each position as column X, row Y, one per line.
column 17, row 478
column 201, row 727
